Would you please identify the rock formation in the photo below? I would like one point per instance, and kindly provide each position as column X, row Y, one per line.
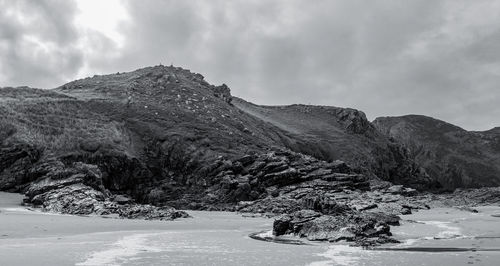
column 137, row 144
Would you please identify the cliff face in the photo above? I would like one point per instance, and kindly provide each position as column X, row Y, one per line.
column 451, row 155
column 332, row 133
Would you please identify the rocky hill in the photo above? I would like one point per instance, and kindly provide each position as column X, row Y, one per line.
column 163, row 135
column 333, row 133
column 138, row 144
column 451, row 155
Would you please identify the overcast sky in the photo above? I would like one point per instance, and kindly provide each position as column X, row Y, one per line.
column 437, row 58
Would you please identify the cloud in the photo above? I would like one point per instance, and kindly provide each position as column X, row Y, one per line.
column 37, row 42
column 436, row 58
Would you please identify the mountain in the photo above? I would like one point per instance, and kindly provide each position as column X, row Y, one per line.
column 455, row 157
column 163, row 135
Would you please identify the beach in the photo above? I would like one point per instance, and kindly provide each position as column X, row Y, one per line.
column 443, row 237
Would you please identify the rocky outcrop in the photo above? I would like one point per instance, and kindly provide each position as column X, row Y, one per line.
column 223, row 92
column 257, row 176
column 80, row 199
column 15, row 162
column 366, row 228
column 78, row 188
column 354, row 121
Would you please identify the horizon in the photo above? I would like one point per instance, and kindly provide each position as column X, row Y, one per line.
column 436, row 59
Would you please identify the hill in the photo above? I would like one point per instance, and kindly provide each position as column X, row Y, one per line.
column 333, row 133
column 453, row 156
column 140, row 143
column 163, row 135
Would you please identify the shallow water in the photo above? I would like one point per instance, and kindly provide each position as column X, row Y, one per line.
column 435, row 237
column 442, row 236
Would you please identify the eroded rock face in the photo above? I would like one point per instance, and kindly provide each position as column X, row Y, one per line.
column 260, row 175
column 78, row 188
column 15, row 161
column 80, row 199
column 355, row 121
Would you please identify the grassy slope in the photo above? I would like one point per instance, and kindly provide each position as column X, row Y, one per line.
column 55, row 122
column 96, row 110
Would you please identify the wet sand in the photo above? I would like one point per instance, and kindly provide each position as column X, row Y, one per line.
column 435, row 237
column 209, row 238
column 441, row 236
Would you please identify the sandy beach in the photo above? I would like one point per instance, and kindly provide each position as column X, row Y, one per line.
column 209, row 238
column 434, row 237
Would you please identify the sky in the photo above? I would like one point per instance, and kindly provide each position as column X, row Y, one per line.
column 439, row 58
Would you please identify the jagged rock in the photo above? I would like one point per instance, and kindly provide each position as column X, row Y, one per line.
column 83, row 200
column 273, row 167
column 223, row 92
column 148, row 212
column 354, row 121
column 324, row 205
column 350, row 227
column 15, row 162
column 246, row 160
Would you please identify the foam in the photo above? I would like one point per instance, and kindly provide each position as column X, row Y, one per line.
column 30, row 211
column 123, row 250
column 448, row 232
column 343, row 255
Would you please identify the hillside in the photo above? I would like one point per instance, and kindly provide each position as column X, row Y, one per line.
column 453, row 156
column 142, row 143
column 333, row 133
column 163, row 135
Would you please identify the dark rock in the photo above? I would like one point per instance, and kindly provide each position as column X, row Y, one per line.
column 90, row 146
column 246, row 160
column 405, row 211
column 223, row 92
column 324, row 205
column 317, row 227
column 282, row 225
column 468, row 209
column 275, row 167
column 15, row 162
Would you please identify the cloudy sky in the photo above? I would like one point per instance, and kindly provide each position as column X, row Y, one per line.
column 433, row 57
